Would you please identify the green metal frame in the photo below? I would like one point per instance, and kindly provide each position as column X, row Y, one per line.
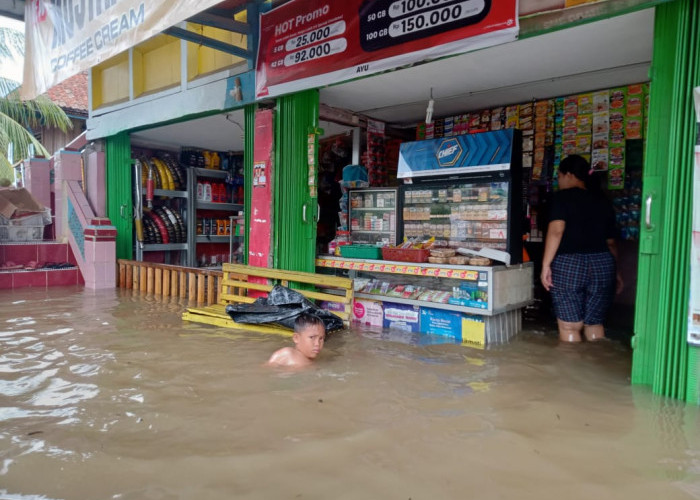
column 119, row 191
column 661, row 356
column 294, row 239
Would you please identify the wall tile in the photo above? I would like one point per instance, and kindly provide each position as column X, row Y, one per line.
column 57, row 252
column 5, row 280
column 62, row 277
column 29, row 279
column 21, row 254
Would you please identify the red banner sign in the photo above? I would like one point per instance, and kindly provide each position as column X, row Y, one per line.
column 307, row 44
column 261, row 198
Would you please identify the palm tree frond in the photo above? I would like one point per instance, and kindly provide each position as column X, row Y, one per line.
column 51, row 115
column 39, row 112
column 13, row 132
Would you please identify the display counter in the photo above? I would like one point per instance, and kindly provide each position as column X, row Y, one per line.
column 478, row 305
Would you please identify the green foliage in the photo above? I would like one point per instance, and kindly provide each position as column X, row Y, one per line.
column 18, row 116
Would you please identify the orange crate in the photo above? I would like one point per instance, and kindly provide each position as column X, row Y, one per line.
column 406, row 254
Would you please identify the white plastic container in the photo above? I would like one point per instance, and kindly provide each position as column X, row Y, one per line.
column 21, row 233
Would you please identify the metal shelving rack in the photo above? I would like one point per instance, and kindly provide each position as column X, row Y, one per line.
column 193, row 175
column 141, row 248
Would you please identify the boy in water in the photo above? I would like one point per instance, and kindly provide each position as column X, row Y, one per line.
column 309, row 335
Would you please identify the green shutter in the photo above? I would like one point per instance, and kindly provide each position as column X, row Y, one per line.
column 294, row 239
column 661, row 351
column 119, row 191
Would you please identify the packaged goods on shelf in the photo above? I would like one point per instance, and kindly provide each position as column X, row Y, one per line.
column 401, row 317
column 368, row 313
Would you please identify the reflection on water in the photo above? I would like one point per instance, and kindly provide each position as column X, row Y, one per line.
column 110, row 395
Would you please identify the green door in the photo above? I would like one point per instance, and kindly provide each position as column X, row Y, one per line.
column 119, row 191
column 295, row 206
column 662, row 358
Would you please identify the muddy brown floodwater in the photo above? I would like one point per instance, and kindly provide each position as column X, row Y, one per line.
column 109, row 395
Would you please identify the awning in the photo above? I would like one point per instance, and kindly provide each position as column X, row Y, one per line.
column 65, row 38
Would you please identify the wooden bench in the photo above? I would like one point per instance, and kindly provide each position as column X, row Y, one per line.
column 236, row 287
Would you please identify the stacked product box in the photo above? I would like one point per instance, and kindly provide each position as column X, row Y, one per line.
column 527, row 125
column 540, row 140
column 584, row 123
column 570, row 126
column 558, row 134
column 601, row 131
column 618, row 119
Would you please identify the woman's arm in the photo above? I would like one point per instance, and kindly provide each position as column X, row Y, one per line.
column 555, row 231
column 612, row 246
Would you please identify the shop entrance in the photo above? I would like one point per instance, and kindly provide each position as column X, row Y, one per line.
column 567, row 91
column 194, row 215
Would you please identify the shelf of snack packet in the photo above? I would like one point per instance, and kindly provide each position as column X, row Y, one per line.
column 475, row 305
column 482, row 290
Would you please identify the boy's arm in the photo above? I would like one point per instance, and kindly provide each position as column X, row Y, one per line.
column 287, row 356
column 280, row 357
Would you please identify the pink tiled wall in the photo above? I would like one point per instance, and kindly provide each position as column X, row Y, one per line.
column 43, row 253
column 41, row 278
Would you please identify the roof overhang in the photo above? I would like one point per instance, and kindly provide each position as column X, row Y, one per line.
column 13, row 9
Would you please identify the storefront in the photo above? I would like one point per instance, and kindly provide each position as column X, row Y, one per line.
column 614, row 50
column 578, row 73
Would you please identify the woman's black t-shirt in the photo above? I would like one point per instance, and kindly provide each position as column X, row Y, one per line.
column 589, row 218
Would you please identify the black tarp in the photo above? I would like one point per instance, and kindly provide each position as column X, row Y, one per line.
column 281, row 307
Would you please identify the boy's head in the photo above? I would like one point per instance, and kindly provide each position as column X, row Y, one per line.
column 309, row 335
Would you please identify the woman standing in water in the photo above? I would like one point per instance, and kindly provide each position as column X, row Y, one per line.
column 580, row 254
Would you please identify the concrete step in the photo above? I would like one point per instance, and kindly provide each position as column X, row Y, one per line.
column 37, row 264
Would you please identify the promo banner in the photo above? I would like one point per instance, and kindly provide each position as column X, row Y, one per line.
column 694, row 306
column 307, row 43
column 65, row 37
column 261, row 197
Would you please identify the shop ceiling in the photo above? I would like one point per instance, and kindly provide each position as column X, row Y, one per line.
column 598, row 55
column 592, row 56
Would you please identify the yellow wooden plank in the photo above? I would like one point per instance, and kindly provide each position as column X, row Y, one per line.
column 342, row 315
column 341, row 299
column 247, row 285
column 229, row 323
column 347, row 297
column 325, row 296
column 209, row 311
column 237, row 298
column 281, row 274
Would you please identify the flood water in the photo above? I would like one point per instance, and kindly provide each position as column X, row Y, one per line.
column 109, row 395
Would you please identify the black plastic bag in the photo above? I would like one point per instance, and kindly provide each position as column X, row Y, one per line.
column 281, row 308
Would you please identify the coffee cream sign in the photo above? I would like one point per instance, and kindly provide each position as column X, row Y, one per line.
column 65, row 37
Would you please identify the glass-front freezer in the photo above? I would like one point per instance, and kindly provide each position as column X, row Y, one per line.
column 462, row 214
column 373, row 216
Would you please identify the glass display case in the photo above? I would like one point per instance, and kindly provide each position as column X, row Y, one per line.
column 373, row 216
column 464, row 191
column 471, row 215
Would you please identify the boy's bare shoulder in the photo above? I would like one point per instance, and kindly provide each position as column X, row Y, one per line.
column 289, row 357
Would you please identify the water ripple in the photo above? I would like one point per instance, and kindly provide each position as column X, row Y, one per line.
column 62, row 392
column 26, row 384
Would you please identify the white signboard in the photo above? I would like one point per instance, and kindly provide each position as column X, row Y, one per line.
column 65, row 37
column 694, row 309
